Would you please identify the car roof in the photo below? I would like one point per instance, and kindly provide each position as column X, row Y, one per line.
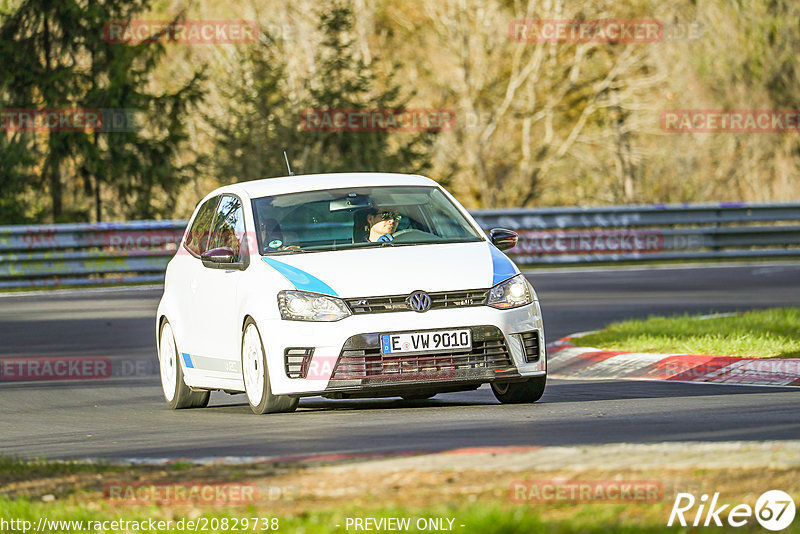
column 314, row 182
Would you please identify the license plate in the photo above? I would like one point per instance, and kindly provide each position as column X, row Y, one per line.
column 437, row 341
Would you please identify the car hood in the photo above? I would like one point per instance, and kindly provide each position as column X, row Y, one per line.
column 395, row 270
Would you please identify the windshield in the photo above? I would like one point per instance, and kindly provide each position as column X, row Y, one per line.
column 336, row 219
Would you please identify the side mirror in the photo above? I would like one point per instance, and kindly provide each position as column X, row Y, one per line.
column 216, row 257
column 503, row 239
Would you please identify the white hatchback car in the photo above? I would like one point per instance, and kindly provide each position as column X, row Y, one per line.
column 342, row 286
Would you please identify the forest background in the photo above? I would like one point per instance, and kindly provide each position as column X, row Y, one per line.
column 536, row 123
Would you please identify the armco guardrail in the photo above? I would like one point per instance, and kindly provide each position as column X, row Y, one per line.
column 87, row 254
column 109, row 253
column 650, row 233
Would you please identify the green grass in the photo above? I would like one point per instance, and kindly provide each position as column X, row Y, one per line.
column 484, row 518
column 12, row 469
column 487, row 511
column 773, row 333
column 485, row 514
column 19, row 469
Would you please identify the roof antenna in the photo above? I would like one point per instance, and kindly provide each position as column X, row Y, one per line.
column 289, row 167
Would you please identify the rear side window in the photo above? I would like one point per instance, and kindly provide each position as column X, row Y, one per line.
column 228, row 226
column 197, row 238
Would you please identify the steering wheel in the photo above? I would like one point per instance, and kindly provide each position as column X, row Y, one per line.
column 411, row 234
column 402, row 232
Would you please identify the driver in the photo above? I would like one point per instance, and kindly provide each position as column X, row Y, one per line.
column 381, row 224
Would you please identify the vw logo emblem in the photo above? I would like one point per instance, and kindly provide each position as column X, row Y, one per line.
column 419, row 301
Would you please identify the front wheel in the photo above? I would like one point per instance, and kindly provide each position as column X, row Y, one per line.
column 256, row 375
column 530, row 390
column 177, row 394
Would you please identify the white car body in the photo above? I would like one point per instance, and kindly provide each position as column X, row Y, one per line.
column 207, row 307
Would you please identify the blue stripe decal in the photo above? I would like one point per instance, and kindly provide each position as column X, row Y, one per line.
column 187, row 359
column 299, row 278
column 502, row 268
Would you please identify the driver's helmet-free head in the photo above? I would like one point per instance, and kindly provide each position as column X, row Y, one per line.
column 385, row 213
column 361, row 225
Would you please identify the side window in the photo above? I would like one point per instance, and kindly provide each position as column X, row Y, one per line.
column 228, row 228
column 197, row 238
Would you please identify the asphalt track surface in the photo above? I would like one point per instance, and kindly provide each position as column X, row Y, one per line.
column 126, row 417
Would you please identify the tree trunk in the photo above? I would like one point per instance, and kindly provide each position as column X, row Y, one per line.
column 55, row 191
column 98, row 211
column 54, row 167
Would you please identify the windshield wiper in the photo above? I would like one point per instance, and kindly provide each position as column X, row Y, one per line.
column 374, row 244
column 285, row 251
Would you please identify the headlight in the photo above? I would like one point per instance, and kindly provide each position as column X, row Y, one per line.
column 512, row 293
column 302, row 306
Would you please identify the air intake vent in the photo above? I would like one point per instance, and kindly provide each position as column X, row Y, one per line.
column 296, row 361
column 530, row 343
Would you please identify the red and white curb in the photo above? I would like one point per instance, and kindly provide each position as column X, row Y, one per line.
column 565, row 360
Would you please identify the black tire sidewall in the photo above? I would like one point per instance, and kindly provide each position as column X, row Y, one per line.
column 526, row 392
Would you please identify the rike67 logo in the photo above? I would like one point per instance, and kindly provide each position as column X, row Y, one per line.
column 774, row 511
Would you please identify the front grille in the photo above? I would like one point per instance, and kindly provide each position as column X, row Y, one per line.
column 439, row 301
column 530, row 343
column 296, row 361
column 361, row 359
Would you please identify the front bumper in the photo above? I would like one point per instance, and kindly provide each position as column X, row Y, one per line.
column 352, row 344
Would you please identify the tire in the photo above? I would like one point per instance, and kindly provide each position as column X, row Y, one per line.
column 528, row 391
column 256, row 376
column 177, row 394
